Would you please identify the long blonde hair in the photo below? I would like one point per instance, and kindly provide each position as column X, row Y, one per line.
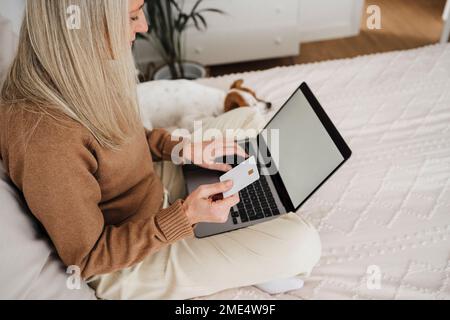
column 86, row 73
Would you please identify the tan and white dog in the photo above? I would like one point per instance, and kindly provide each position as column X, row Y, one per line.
column 178, row 104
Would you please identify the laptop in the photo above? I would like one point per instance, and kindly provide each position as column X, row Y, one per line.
column 297, row 152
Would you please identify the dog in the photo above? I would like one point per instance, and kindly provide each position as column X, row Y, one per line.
column 178, row 104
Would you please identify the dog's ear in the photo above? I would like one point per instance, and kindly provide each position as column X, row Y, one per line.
column 237, row 84
column 233, row 101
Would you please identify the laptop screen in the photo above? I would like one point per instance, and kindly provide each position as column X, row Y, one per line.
column 306, row 154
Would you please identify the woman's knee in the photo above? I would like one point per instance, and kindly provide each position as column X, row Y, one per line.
column 304, row 244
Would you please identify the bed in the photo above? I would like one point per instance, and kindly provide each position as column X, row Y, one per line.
column 384, row 218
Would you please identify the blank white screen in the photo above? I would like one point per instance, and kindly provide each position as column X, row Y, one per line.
column 307, row 154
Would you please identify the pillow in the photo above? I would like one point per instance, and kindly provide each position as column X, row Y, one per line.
column 29, row 267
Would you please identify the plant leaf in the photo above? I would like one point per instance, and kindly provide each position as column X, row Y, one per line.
column 212, row 10
column 193, row 17
column 175, row 4
column 202, row 19
column 194, row 8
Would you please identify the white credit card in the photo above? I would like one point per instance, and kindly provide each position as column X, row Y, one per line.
column 242, row 176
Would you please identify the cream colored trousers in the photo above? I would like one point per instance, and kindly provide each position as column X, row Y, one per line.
column 191, row 268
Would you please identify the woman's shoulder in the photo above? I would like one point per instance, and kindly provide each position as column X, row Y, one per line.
column 35, row 139
column 26, row 124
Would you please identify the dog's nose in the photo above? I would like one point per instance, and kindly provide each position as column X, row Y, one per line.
column 269, row 105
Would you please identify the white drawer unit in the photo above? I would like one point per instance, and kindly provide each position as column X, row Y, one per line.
column 329, row 19
column 263, row 29
column 249, row 30
column 248, row 44
column 246, row 13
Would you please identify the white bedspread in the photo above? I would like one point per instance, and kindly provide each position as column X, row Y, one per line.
column 389, row 206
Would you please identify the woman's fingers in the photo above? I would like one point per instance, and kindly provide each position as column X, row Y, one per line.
column 225, row 148
column 234, row 150
column 217, row 211
column 219, row 167
column 229, row 202
column 207, row 191
column 222, row 207
column 213, row 150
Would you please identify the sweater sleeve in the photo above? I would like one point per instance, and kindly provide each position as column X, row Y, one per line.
column 58, row 181
column 161, row 144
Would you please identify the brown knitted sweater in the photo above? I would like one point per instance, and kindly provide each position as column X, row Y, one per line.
column 102, row 209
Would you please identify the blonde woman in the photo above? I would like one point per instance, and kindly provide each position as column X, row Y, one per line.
column 72, row 142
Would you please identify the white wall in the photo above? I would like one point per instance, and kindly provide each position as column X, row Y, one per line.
column 11, row 14
column 13, row 10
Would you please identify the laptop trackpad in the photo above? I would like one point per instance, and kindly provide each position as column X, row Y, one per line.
column 196, row 176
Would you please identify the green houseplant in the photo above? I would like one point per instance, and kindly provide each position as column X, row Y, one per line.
column 167, row 25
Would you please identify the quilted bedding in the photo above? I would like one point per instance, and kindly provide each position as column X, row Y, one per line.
column 384, row 218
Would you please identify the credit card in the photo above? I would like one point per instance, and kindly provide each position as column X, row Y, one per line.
column 242, row 176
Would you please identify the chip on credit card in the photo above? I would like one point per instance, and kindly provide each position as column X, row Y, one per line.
column 242, row 176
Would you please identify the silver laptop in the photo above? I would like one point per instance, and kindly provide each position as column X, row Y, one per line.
column 297, row 152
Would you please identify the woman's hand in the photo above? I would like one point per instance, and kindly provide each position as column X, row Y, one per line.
column 200, row 206
column 204, row 154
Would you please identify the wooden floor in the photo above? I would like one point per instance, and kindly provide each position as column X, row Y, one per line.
column 406, row 24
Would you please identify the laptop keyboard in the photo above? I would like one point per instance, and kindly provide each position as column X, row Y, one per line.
column 257, row 202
